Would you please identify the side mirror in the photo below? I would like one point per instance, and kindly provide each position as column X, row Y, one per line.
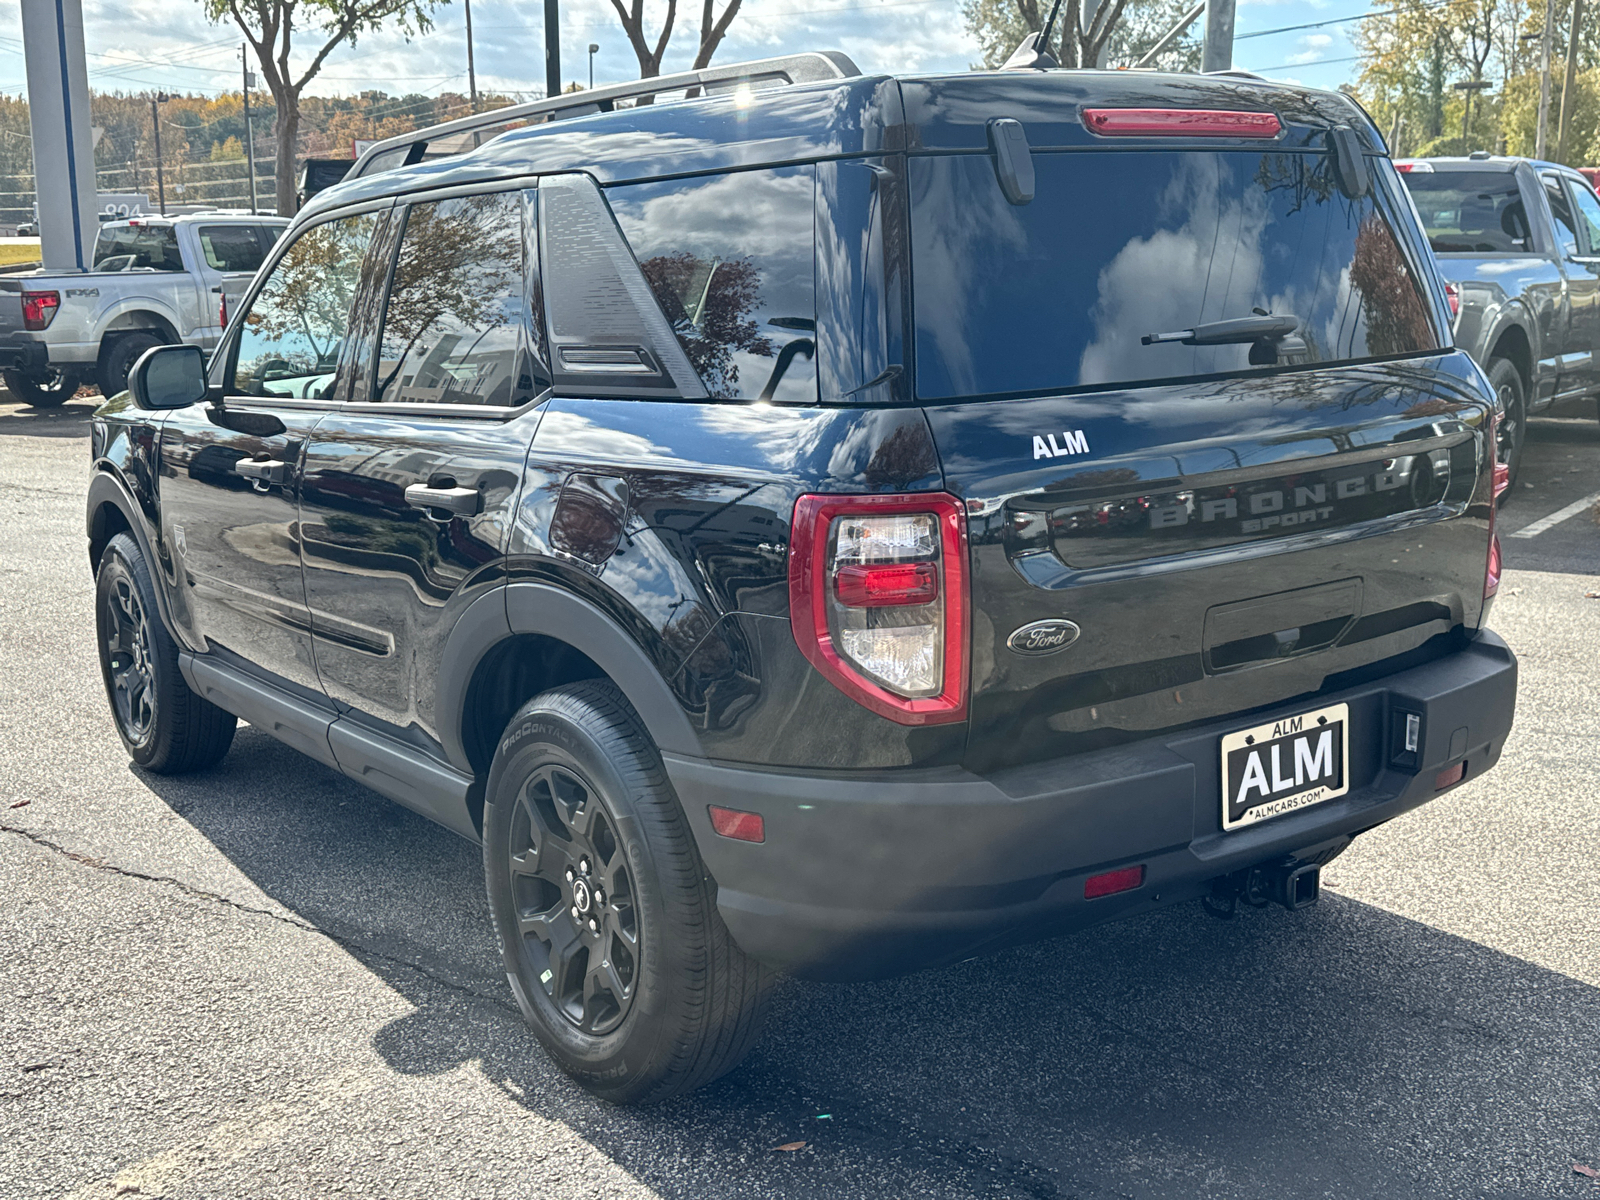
column 168, row 377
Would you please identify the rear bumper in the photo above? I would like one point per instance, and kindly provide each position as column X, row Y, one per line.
column 23, row 352
column 874, row 873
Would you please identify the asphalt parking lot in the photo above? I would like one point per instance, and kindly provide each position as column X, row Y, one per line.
column 264, row 981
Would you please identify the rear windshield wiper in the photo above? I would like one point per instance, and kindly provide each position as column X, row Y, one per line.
column 1225, row 333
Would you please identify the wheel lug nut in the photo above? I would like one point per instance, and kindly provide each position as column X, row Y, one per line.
column 583, row 865
column 594, row 926
column 570, row 874
column 599, row 896
column 574, row 912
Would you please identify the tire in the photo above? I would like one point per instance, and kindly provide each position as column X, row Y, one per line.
column 1512, row 432
column 576, row 784
column 118, row 359
column 167, row 728
column 54, row 388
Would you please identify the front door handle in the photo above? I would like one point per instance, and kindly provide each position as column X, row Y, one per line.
column 458, row 501
column 264, row 473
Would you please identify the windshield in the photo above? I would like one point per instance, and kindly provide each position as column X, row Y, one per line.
column 129, row 248
column 1115, row 247
column 1470, row 212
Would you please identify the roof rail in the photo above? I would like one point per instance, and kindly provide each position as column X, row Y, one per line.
column 467, row 133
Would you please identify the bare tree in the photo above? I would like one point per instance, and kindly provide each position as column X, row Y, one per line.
column 713, row 29
column 269, row 26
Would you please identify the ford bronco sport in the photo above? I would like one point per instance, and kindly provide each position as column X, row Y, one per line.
column 829, row 523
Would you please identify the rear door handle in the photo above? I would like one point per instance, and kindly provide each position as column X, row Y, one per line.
column 458, row 501
column 263, row 472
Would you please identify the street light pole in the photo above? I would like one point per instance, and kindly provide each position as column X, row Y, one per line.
column 249, row 133
column 1544, row 77
column 552, row 48
column 155, row 124
column 472, row 71
column 594, row 48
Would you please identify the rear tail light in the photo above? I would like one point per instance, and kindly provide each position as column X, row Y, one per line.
column 878, row 600
column 222, row 309
column 1452, row 293
column 1180, row 122
column 1502, row 480
column 39, row 309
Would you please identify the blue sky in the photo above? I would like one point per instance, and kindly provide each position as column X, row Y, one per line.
column 134, row 45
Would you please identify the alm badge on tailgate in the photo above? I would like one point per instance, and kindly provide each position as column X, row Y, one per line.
column 1285, row 765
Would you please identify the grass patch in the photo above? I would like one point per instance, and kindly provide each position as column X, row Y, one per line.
column 18, row 252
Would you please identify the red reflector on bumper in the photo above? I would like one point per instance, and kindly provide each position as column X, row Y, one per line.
column 740, row 826
column 1113, row 882
column 1180, row 122
column 1449, row 776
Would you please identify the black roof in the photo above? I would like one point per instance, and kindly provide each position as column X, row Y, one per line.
column 863, row 115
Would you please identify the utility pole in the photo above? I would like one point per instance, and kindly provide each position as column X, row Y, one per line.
column 1544, row 77
column 1567, row 103
column 472, row 71
column 552, row 48
column 1217, row 54
column 155, row 123
column 249, row 133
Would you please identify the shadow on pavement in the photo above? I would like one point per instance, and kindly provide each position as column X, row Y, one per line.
column 1344, row 1051
column 67, row 420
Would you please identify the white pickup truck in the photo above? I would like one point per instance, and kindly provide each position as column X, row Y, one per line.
column 154, row 280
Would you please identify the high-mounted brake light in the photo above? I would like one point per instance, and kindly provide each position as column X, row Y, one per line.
column 1413, row 166
column 878, row 600
column 39, row 309
column 1180, row 122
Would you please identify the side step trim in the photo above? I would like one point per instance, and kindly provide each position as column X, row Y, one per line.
column 392, row 769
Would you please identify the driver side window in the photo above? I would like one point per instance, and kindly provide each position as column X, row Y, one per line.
column 291, row 338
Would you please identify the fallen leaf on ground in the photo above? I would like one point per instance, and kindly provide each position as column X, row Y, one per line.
column 1583, row 1170
column 789, row 1147
column 1586, row 596
column 22, row 804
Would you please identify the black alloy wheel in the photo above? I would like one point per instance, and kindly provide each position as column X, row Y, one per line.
column 125, row 627
column 51, row 389
column 166, row 727
column 574, row 896
column 1511, row 429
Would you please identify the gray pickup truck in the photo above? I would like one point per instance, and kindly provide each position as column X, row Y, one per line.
column 1519, row 243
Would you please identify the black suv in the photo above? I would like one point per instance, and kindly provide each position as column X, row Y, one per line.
column 829, row 523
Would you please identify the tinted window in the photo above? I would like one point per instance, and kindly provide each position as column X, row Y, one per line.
column 452, row 328
column 1470, row 212
column 1589, row 213
column 290, row 341
column 231, row 247
column 729, row 258
column 1566, row 227
column 130, row 248
column 1116, row 247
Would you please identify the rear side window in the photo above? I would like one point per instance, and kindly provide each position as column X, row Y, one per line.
column 452, row 328
column 1566, row 227
column 730, row 260
column 231, row 247
column 1589, row 213
column 1471, row 212
column 132, row 248
column 1120, row 247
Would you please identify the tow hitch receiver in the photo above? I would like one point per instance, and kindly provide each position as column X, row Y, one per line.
column 1293, row 884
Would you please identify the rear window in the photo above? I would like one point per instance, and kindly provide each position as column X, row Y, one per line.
column 130, row 248
column 1470, row 212
column 1120, row 246
column 231, row 247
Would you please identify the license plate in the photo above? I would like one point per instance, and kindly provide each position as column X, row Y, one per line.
column 1285, row 765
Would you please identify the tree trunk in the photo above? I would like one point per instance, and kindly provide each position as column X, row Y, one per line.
column 286, row 129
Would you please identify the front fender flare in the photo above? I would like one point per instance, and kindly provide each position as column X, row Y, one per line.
column 107, row 488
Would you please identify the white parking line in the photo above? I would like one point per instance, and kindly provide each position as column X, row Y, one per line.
column 1557, row 517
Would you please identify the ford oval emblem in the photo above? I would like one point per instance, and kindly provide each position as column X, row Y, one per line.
column 1043, row 637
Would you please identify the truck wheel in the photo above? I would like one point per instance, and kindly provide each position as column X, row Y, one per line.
column 55, row 387
column 165, row 726
column 118, row 359
column 1512, row 431
column 606, row 917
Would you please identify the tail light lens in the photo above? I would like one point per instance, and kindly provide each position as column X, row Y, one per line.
column 222, row 309
column 1452, row 293
column 39, row 309
column 878, row 600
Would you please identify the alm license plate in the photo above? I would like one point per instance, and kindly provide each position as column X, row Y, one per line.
column 1285, row 765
